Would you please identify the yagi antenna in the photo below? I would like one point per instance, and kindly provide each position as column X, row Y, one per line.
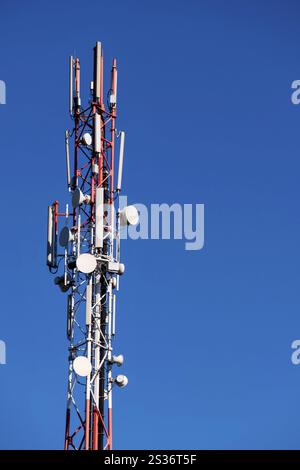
column 71, row 84
column 121, row 156
column 68, row 159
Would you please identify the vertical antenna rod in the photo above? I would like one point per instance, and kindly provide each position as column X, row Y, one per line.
column 121, row 157
column 68, row 159
column 71, row 78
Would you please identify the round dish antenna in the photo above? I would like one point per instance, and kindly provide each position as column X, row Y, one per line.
column 82, row 366
column 86, row 139
column 86, row 263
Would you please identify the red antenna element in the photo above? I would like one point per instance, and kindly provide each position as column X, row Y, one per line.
column 89, row 258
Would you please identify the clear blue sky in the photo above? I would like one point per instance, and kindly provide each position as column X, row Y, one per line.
column 204, row 96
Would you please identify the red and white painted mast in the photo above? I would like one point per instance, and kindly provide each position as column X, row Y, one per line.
column 88, row 262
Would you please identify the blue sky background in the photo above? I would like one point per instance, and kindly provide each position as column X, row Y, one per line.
column 204, row 97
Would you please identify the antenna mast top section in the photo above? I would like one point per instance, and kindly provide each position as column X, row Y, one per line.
column 98, row 75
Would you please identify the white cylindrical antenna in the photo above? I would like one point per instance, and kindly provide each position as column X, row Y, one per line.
column 118, row 246
column 88, row 311
column 68, row 159
column 78, row 235
column 121, row 157
column 116, row 85
column 99, row 222
column 66, row 266
column 97, row 71
column 121, row 380
column 97, row 133
column 114, row 316
column 71, row 84
column 50, row 237
column 97, row 336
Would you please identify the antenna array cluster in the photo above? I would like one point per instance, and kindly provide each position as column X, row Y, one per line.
column 85, row 256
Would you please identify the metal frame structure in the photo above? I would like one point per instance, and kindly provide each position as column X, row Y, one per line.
column 90, row 258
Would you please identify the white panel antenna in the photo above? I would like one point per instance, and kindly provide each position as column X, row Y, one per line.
column 97, row 133
column 121, row 157
column 71, row 63
column 68, row 159
column 99, row 226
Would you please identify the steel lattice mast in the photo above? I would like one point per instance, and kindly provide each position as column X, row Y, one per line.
column 90, row 258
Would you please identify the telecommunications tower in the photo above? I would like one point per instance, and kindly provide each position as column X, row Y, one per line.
column 88, row 265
